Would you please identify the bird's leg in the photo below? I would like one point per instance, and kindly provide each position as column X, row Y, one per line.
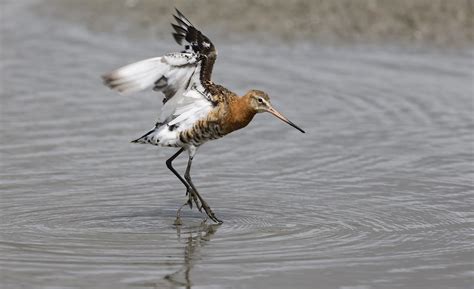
column 205, row 206
column 189, row 190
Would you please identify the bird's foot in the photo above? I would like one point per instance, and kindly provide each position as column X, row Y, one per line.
column 193, row 196
column 210, row 213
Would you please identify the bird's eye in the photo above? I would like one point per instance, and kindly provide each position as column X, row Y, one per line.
column 260, row 100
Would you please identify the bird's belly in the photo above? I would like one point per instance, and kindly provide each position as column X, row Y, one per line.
column 201, row 132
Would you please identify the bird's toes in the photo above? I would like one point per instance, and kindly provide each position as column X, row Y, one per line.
column 199, row 208
column 211, row 215
column 215, row 219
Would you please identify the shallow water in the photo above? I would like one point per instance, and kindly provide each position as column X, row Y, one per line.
column 377, row 194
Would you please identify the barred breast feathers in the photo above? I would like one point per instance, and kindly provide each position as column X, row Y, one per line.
column 204, row 129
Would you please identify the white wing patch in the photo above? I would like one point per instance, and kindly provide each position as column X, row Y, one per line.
column 138, row 76
column 192, row 108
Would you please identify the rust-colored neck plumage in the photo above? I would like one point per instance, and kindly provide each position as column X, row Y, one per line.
column 240, row 114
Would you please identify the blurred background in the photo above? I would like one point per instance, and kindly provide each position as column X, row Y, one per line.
column 377, row 194
column 438, row 23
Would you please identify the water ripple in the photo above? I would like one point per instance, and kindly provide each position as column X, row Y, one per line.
column 381, row 184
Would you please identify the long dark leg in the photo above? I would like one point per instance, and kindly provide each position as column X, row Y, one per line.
column 188, row 187
column 205, row 206
column 170, row 166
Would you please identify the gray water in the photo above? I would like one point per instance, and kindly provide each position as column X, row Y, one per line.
column 377, row 194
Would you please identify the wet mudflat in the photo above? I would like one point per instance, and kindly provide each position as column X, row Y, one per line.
column 377, row 194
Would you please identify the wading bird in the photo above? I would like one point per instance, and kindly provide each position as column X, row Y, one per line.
column 195, row 110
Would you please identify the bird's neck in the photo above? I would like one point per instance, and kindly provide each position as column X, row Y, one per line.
column 240, row 114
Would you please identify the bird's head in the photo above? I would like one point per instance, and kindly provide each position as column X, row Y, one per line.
column 260, row 102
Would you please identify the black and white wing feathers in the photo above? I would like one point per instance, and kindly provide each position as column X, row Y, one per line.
column 169, row 74
column 194, row 41
column 172, row 72
column 183, row 77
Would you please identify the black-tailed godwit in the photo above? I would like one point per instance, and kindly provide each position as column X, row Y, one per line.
column 195, row 110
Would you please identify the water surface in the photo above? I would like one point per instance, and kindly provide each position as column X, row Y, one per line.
column 377, row 194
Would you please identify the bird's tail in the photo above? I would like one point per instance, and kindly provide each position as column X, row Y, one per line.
column 136, row 76
column 148, row 138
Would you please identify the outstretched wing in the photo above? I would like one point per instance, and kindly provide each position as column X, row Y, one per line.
column 182, row 77
column 169, row 73
column 175, row 74
column 197, row 43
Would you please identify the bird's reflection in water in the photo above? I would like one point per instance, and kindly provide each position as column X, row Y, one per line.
column 196, row 237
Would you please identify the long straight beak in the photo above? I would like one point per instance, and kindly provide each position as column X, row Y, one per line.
column 283, row 118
